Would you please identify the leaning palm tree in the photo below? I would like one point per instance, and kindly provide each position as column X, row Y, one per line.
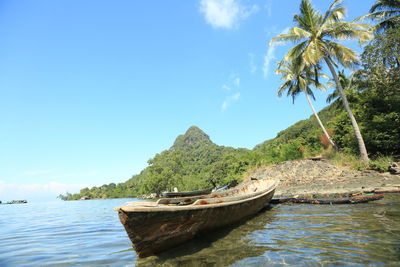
column 316, row 38
column 386, row 13
column 297, row 79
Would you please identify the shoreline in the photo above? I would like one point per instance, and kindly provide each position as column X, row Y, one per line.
column 310, row 178
column 317, row 178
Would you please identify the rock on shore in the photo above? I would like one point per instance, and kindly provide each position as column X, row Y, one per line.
column 320, row 178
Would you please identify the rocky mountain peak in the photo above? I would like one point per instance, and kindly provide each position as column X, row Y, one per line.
column 193, row 136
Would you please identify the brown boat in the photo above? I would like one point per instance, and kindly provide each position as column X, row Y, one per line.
column 188, row 193
column 154, row 227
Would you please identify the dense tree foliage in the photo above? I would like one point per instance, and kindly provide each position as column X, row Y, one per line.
column 376, row 97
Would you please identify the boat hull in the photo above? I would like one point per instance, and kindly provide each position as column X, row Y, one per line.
column 159, row 230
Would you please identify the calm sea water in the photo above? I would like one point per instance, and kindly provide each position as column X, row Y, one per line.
column 88, row 233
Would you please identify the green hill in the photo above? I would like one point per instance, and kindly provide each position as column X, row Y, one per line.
column 192, row 162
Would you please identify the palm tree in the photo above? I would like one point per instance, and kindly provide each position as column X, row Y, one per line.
column 316, row 36
column 347, row 83
column 386, row 12
column 297, row 79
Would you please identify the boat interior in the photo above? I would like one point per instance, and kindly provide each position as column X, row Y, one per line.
column 247, row 189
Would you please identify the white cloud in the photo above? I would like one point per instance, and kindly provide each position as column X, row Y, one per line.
column 48, row 191
column 229, row 101
column 233, row 80
column 236, row 96
column 270, row 55
column 233, row 83
column 54, row 175
column 236, row 81
column 37, row 172
column 225, row 13
column 226, row 87
column 268, row 7
column 253, row 66
column 224, row 105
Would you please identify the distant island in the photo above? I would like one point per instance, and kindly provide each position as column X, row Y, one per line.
column 22, row 201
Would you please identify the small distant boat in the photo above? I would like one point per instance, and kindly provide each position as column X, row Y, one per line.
column 154, row 227
column 188, row 193
column 17, row 202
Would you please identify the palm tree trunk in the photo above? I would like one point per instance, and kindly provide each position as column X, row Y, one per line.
column 320, row 123
column 360, row 140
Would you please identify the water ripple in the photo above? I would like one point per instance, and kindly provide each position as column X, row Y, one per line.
column 88, row 233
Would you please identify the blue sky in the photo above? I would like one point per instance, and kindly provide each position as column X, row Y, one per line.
column 90, row 90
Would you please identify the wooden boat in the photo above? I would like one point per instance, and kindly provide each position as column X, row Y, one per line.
column 188, row 193
column 154, row 227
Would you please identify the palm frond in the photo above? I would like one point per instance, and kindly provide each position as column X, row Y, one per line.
column 331, row 84
column 313, row 53
column 346, row 83
column 332, row 97
column 283, row 87
column 379, row 15
column 308, row 18
column 294, row 34
column 310, row 93
column 337, row 15
column 296, row 51
column 335, row 12
column 335, row 4
column 391, row 23
column 301, row 33
column 286, row 37
column 298, row 78
column 385, row 5
column 344, row 30
column 383, row 15
column 386, row 13
column 344, row 55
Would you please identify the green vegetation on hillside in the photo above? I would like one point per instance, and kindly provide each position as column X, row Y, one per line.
column 192, row 162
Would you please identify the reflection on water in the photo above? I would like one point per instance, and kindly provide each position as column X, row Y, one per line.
column 222, row 247
column 88, row 233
